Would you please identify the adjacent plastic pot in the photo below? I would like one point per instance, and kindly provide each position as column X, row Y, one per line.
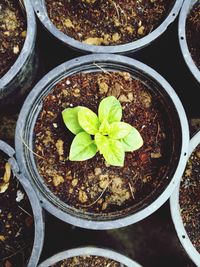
column 90, row 251
column 176, row 215
column 187, row 6
column 35, row 205
column 40, row 9
column 21, row 75
column 33, row 106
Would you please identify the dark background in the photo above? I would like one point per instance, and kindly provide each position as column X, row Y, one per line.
column 152, row 242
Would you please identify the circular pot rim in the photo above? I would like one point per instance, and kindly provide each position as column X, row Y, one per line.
column 25, row 52
column 176, row 215
column 40, row 10
column 93, row 251
column 183, row 41
column 35, row 205
column 124, row 61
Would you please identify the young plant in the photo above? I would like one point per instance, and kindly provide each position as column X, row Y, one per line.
column 104, row 133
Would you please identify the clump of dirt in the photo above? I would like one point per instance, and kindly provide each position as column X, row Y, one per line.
column 107, row 22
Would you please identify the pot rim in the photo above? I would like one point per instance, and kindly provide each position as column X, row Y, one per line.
column 34, row 202
column 40, row 10
column 176, row 215
column 25, row 52
column 188, row 4
column 122, row 61
column 93, row 251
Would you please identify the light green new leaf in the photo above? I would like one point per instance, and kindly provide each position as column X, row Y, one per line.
column 132, row 141
column 104, row 128
column 112, row 150
column 70, row 118
column 88, row 120
column 82, row 147
column 110, row 109
column 119, row 130
column 101, row 142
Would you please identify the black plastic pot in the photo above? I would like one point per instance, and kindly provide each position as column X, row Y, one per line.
column 40, row 9
column 186, row 8
column 90, row 251
column 178, row 129
column 35, row 205
column 176, row 214
column 20, row 77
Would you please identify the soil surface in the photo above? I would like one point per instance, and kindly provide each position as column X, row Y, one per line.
column 12, row 33
column 107, row 22
column 16, row 220
column 87, row 261
column 190, row 198
column 193, row 33
column 93, row 185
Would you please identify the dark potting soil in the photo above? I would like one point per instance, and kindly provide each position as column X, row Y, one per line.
column 107, row 22
column 87, row 261
column 16, row 220
column 193, row 33
column 189, row 198
column 12, row 33
column 93, row 185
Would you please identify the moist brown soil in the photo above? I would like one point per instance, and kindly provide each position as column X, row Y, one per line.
column 87, row 261
column 16, row 223
column 12, row 33
column 189, row 198
column 107, row 22
column 193, row 33
column 92, row 185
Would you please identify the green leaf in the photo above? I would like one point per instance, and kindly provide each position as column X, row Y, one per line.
column 119, row 130
column 70, row 118
column 88, row 120
column 132, row 141
column 112, row 150
column 104, row 128
column 82, row 147
column 110, row 109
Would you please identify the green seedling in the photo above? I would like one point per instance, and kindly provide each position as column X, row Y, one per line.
column 104, row 133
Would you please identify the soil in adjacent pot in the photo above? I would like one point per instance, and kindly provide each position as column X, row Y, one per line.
column 12, row 33
column 107, row 22
column 189, row 198
column 87, row 261
column 193, row 33
column 92, row 185
column 16, row 220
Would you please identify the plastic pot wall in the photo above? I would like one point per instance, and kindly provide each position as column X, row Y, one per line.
column 40, row 9
column 91, row 251
column 35, row 205
column 33, row 106
column 20, row 77
column 186, row 8
column 176, row 215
